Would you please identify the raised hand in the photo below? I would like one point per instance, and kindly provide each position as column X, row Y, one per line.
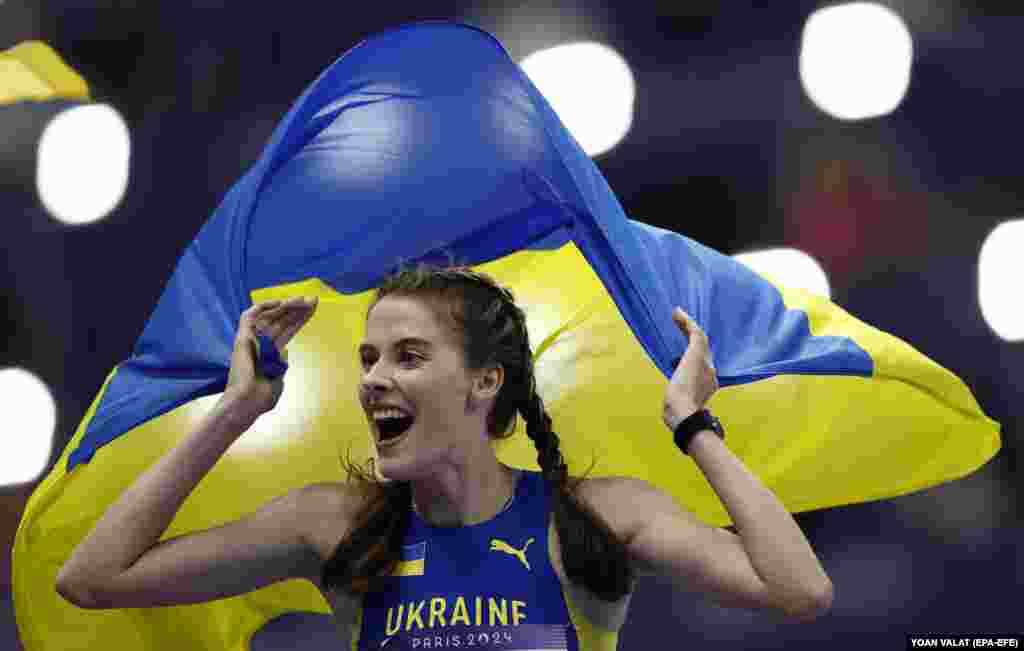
column 694, row 380
column 249, row 394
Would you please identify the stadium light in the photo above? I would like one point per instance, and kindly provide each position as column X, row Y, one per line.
column 30, row 419
column 590, row 87
column 999, row 274
column 790, row 267
column 855, row 60
column 82, row 166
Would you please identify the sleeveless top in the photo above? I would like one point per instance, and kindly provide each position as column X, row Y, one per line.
column 485, row 586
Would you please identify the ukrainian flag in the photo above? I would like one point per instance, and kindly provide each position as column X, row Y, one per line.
column 413, row 560
column 424, row 141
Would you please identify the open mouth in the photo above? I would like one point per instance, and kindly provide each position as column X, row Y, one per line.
column 393, row 428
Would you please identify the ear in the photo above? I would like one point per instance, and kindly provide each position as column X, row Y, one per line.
column 489, row 382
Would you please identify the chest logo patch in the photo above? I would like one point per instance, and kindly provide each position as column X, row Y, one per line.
column 498, row 545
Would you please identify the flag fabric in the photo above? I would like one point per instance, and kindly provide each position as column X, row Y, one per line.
column 34, row 71
column 428, row 140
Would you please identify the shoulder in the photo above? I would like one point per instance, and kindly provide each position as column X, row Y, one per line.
column 328, row 510
column 327, row 498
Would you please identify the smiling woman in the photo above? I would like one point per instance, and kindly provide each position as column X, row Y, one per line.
column 466, row 378
column 456, row 353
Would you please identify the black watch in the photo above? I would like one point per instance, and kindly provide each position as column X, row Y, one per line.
column 696, row 422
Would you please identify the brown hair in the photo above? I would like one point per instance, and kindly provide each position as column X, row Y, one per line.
column 492, row 330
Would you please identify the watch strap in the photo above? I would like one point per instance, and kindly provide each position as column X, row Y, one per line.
column 700, row 420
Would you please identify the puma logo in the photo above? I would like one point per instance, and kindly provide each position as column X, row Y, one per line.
column 502, row 546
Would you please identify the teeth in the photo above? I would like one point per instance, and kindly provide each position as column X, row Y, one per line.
column 389, row 413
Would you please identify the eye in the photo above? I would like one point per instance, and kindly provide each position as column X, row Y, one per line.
column 404, row 356
column 407, row 355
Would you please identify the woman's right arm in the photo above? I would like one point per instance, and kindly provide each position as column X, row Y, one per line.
column 270, row 545
column 123, row 551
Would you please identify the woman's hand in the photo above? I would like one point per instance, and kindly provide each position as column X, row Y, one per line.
column 694, row 380
column 249, row 394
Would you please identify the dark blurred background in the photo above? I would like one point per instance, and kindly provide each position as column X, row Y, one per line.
column 725, row 147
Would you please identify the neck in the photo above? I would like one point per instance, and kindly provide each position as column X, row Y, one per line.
column 466, row 493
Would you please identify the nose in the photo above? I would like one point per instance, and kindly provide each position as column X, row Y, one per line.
column 374, row 381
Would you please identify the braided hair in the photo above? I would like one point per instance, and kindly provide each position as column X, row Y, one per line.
column 491, row 329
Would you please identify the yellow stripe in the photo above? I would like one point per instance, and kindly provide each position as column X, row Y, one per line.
column 893, row 357
column 33, row 71
column 409, row 568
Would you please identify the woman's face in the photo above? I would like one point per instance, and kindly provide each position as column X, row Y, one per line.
column 411, row 360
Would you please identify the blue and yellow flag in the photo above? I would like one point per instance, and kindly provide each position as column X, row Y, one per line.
column 32, row 71
column 424, row 141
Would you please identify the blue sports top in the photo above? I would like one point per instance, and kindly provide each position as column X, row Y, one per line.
column 485, row 586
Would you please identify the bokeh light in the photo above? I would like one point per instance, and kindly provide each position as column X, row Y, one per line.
column 590, row 87
column 82, row 168
column 855, row 60
column 790, row 267
column 999, row 276
column 30, row 415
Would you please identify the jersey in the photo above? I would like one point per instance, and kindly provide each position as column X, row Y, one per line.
column 485, row 586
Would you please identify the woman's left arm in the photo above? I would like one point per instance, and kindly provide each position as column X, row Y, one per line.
column 770, row 563
column 778, row 550
column 768, row 566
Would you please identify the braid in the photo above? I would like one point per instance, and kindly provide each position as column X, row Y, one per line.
column 591, row 553
column 538, row 428
column 538, row 423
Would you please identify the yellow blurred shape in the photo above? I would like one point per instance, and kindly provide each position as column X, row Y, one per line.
column 34, row 71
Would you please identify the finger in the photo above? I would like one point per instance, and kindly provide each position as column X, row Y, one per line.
column 679, row 316
column 292, row 328
column 694, row 328
column 286, row 329
column 274, row 312
column 275, row 326
column 285, row 308
column 685, row 321
column 261, row 308
column 271, row 312
column 277, row 306
column 256, row 316
column 294, row 301
column 694, row 331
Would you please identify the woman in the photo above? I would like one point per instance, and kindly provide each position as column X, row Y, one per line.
column 455, row 549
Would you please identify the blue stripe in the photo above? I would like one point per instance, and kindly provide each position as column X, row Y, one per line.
column 414, row 552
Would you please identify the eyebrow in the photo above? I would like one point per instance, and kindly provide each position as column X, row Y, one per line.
column 404, row 341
